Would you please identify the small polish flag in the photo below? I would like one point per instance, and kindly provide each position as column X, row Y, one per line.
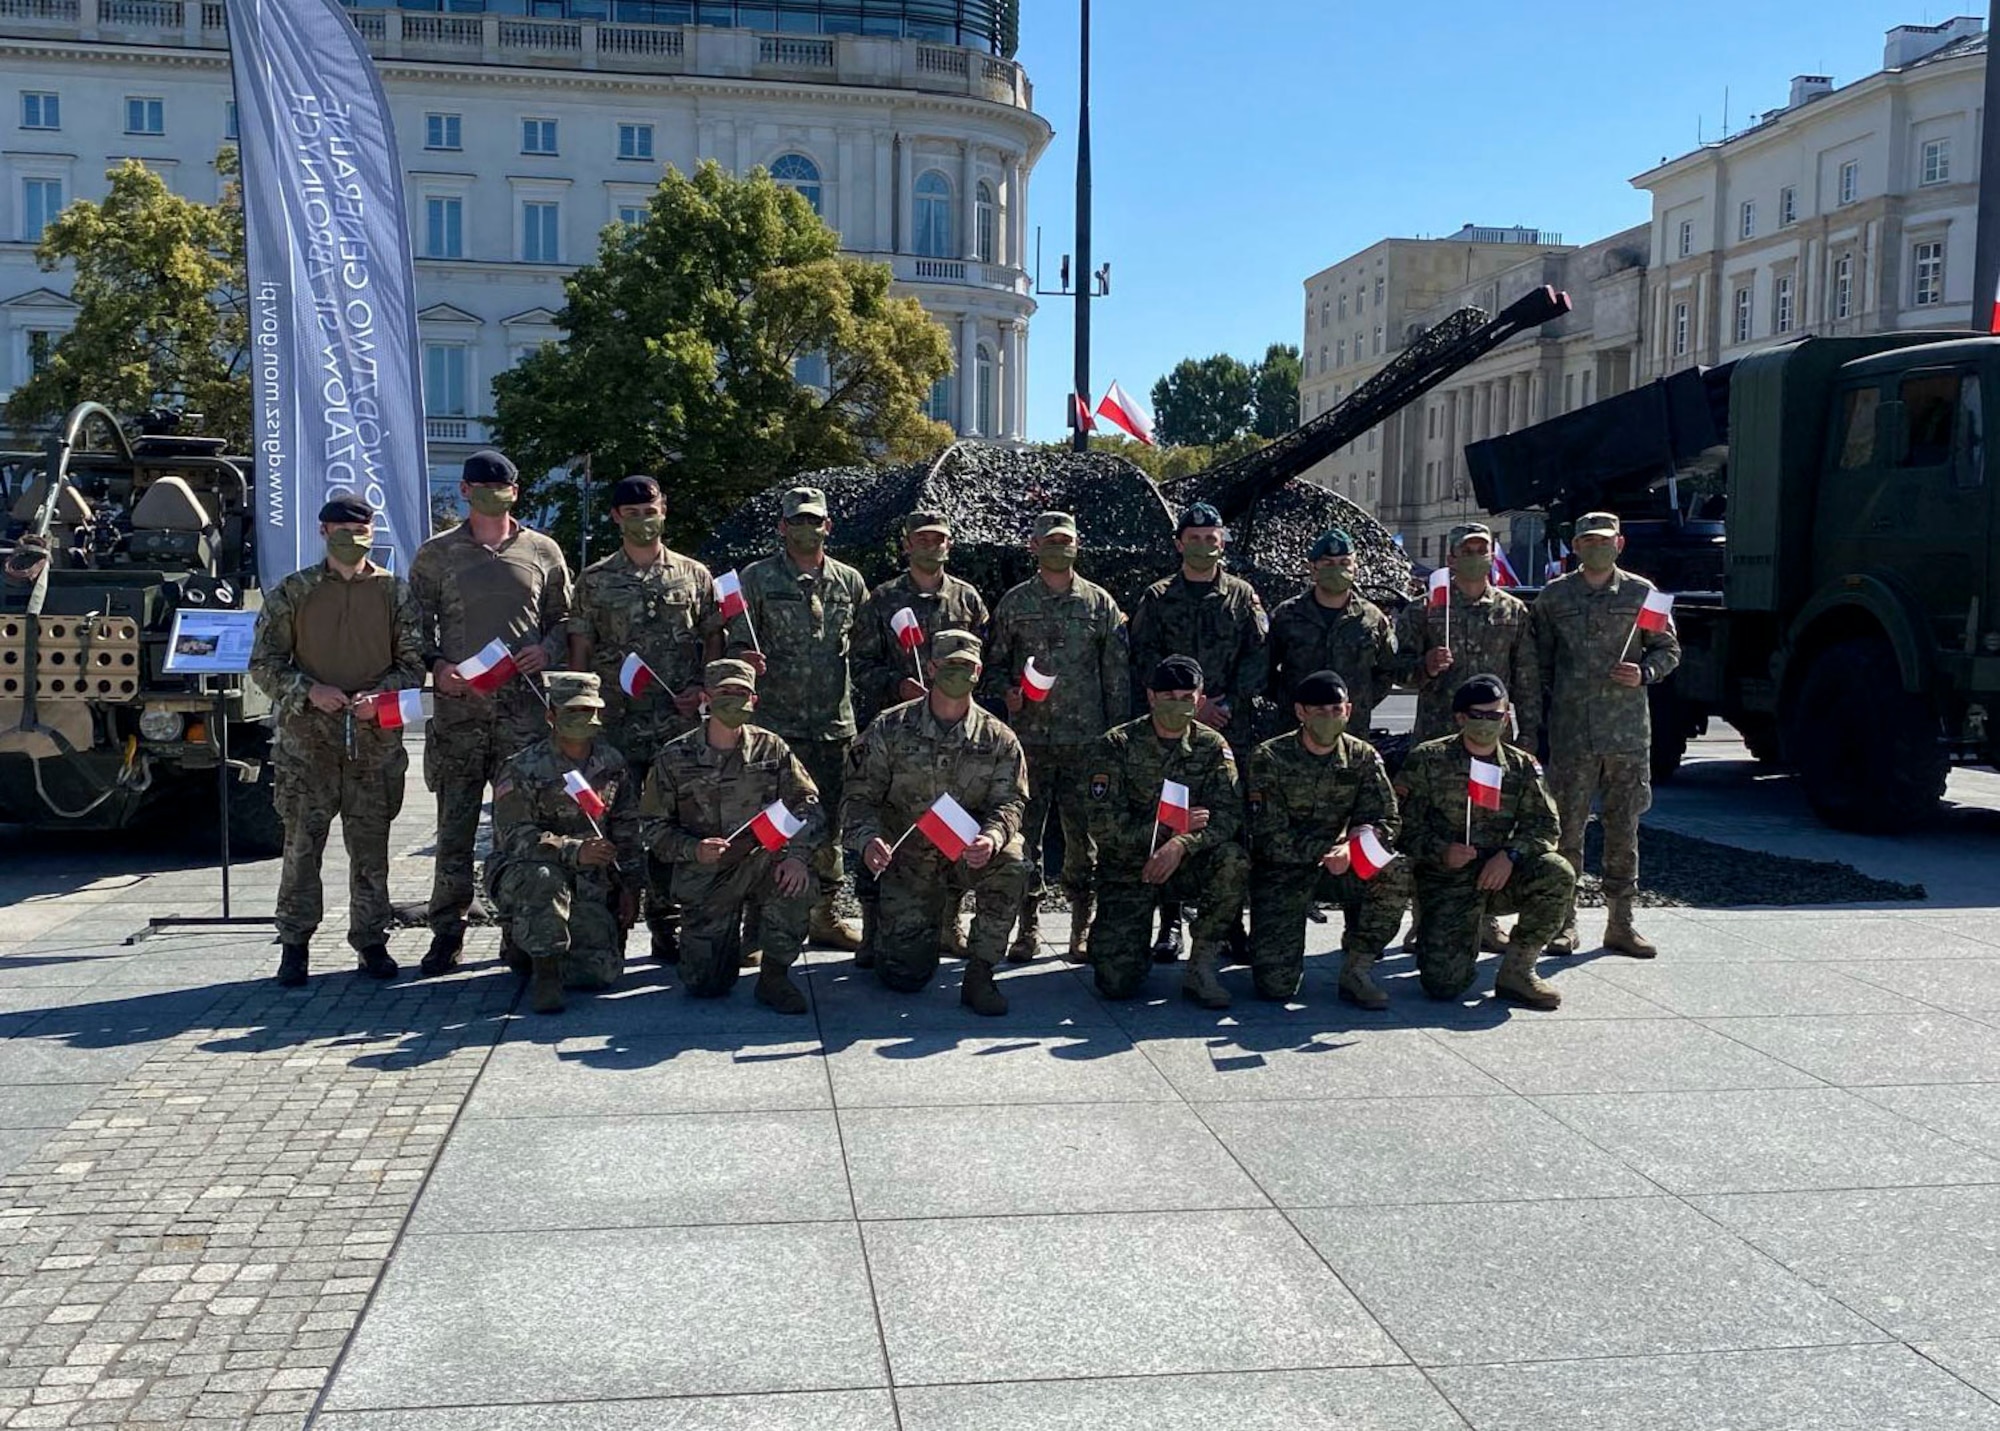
column 490, row 668
column 775, row 826
column 1485, row 785
column 1119, row 409
column 1368, row 855
column 1173, row 811
column 909, row 631
column 1440, row 587
column 1658, row 612
column 403, row 708
column 948, row 826
column 1079, row 413
column 635, row 677
column 729, row 595
column 1036, row 685
column 1503, row 570
column 580, row 791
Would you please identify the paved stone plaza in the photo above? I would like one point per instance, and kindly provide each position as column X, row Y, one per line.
column 1755, row 1185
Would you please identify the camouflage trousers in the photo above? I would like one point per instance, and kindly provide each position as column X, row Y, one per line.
column 1624, row 783
column 712, row 899
column 1455, row 910
column 567, row 913
column 467, row 742
column 1282, row 895
column 1058, row 783
column 1212, row 879
column 314, row 779
column 639, row 736
column 916, row 894
column 826, row 762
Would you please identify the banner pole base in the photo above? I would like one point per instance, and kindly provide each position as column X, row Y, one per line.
column 161, row 923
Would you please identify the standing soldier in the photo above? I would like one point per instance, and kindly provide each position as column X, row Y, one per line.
column 566, row 867
column 649, row 601
column 1332, row 627
column 914, row 754
column 1476, row 858
column 331, row 635
column 736, row 815
column 801, row 609
column 887, row 663
column 487, row 580
column 1073, row 632
column 1145, row 855
column 1599, row 662
column 1312, row 796
column 1204, row 612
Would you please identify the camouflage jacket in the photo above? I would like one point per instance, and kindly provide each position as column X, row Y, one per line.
column 535, row 816
column 665, row 612
column 469, row 595
column 696, row 792
column 1489, row 637
column 879, row 661
column 1301, row 805
column 1580, row 635
column 1434, row 786
column 1356, row 640
column 1076, row 635
column 1220, row 623
column 909, row 757
column 273, row 655
column 1130, row 765
column 805, row 625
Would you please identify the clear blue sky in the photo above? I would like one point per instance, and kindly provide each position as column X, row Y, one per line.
column 1239, row 147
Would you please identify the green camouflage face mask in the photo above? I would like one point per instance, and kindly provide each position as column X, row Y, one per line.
column 1333, row 579
column 1598, row 558
column 492, row 501
column 1056, row 558
column 1202, row 556
column 804, row 539
column 578, row 725
column 348, row 548
column 732, row 711
column 954, row 681
column 1472, row 568
column 1173, row 717
column 1325, row 730
column 1484, row 732
column 642, row 531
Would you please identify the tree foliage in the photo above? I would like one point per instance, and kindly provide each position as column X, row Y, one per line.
column 681, row 343
column 1166, row 464
column 1210, row 401
column 1276, row 391
column 159, row 287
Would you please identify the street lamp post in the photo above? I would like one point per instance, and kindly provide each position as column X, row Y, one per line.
column 1079, row 439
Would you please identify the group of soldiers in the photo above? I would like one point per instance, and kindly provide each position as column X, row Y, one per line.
column 701, row 754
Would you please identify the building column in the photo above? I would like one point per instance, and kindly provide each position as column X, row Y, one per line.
column 968, row 181
column 968, row 371
column 905, row 205
column 1017, row 215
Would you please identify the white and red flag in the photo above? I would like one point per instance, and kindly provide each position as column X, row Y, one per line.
column 947, row 825
column 1173, row 811
column 1440, row 587
column 775, row 825
column 1658, row 612
column 1503, row 570
column 635, row 677
column 1035, row 683
column 729, row 595
column 1119, row 410
column 1079, row 413
column 909, row 631
column 489, row 668
column 1367, row 854
column 1484, row 787
column 396, row 709
column 580, row 791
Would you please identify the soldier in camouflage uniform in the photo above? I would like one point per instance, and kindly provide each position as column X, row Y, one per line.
column 328, row 637
column 566, row 878
column 1311, row 793
column 1508, row 865
column 489, row 578
column 1331, row 627
column 649, row 601
column 1138, row 863
column 705, row 790
column 1203, row 612
column 1599, row 663
column 802, row 605
column 886, row 672
column 942, row 744
column 1073, row 630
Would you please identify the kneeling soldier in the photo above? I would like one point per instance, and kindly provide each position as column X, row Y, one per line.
column 1481, row 829
column 905, row 767
column 566, row 867
column 1164, row 774
column 1314, row 795
column 737, row 816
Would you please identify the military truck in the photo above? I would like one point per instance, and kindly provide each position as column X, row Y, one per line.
column 1853, row 632
column 111, row 535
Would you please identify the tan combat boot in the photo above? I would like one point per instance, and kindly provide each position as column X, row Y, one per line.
column 776, row 990
column 545, row 991
column 978, row 991
column 1565, row 940
column 871, row 920
column 1082, row 909
column 1619, row 935
column 1200, row 983
column 1356, row 986
column 1518, row 982
column 829, row 931
column 954, row 925
column 1028, row 937
column 752, row 949
column 1491, row 939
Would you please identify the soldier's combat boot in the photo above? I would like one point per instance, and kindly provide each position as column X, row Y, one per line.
column 1028, row 936
column 1491, row 940
column 776, row 990
column 1200, row 983
column 1357, row 987
column 447, row 947
column 829, row 931
column 376, row 963
column 1082, row 909
column 1621, row 938
column 954, row 925
column 292, row 965
column 514, row 956
column 1565, row 941
column 978, row 992
column 753, row 935
column 871, row 921
column 666, row 941
column 545, row 991
column 1167, row 946
column 1518, row 983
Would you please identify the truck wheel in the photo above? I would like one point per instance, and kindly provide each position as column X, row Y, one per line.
column 255, row 831
column 1868, row 752
column 1670, row 731
column 1760, row 736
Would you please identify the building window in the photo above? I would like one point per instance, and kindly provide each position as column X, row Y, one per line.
column 635, row 141
column 1744, row 298
column 1781, row 306
column 1381, row 290
column 541, row 232
column 932, row 218
column 801, row 176
column 230, row 127
column 983, row 236
column 938, row 408
column 40, row 110
column 145, row 115
column 1340, row 354
column 41, row 347
column 1431, row 421
column 1928, row 266
column 812, row 371
column 633, row 214
column 1687, row 237
column 987, row 392
column 1843, row 287
column 441, row 131
column 1371, row 438
column 1788, row 206
column 444, row 379
column 538, row 136
column 41, row 201
column 444, row 228
column 1850, row 181
column 1680, row 330
column 1360, row 299
column 1746, row 219
column 1937, row 162
column 1378, row 340
column 1323, row 311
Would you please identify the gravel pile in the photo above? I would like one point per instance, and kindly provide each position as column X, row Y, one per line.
column 1685, row 870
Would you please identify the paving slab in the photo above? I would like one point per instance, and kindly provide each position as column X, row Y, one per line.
column 1346, row 1062
column 1842, row 936
column 1968, row 1113
column 1616, row 1056
column 1713, row 989
column 1861, row 1049
column 589, row 1074
column 788, row 1411
column 1967, row 986
column 939, row 1069
column 1585, row 994
column 1976, row 1362
column 1041, row 995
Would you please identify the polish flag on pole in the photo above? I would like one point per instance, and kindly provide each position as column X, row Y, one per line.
column 1119, row 410
column 1173, row 811
column 775, row 825
column 402, row 708
column 1440, row 587
column 1658, row 612
column 489, row 669
column 729, row 595
column 1079, row 413
column 1035, row 684
column 1368, row 855
column 580, row 791
column 909, row 631
column 1484, row 789
column 947, row 825
column 635, row 677
column 1503, row 570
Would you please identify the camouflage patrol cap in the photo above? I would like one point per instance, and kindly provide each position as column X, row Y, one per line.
column 925, row 522
column 960, row 646
column 573, row 690
column 805, row 502
column 1055, row 522
column 1467, row 529
column 717, row 674
column 1592, row 524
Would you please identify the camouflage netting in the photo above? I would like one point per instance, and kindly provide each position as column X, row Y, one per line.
column 991, row 496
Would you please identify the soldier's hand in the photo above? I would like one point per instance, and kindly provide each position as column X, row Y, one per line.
column 1437, row 659
column 449, row 682
column 1336, row 861
column 1013, row 700
column 1495, row 873
column 877, row 855
column 1457, row 857
column 909, row 690
column 979, row 853
column 327, row 698
column 689, row 701
column 628, row 908
column 755, row 659
column 1197, row 819
column 790, row 877
column 1627, row 673
column 711, row 851
column 530, row 659
column 1166, row 859
column 597, row 853
column 1213, row 714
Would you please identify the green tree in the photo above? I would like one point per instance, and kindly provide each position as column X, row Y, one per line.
column 680, row 349
column 159, row 286
column 1203, row 402
column 1166, row 464
column 1276, row 395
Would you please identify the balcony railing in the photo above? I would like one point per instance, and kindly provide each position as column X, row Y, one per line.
column 449, row 429
column 794, row 54
column 915, row 268
column 59, row 12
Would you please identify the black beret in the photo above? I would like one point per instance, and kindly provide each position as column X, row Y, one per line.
column 1321, row 688
column 635, row 491
column 487, row 468
column 1479, row 691
column 1198, row 515
column 346, row 508
column 1176, row 673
